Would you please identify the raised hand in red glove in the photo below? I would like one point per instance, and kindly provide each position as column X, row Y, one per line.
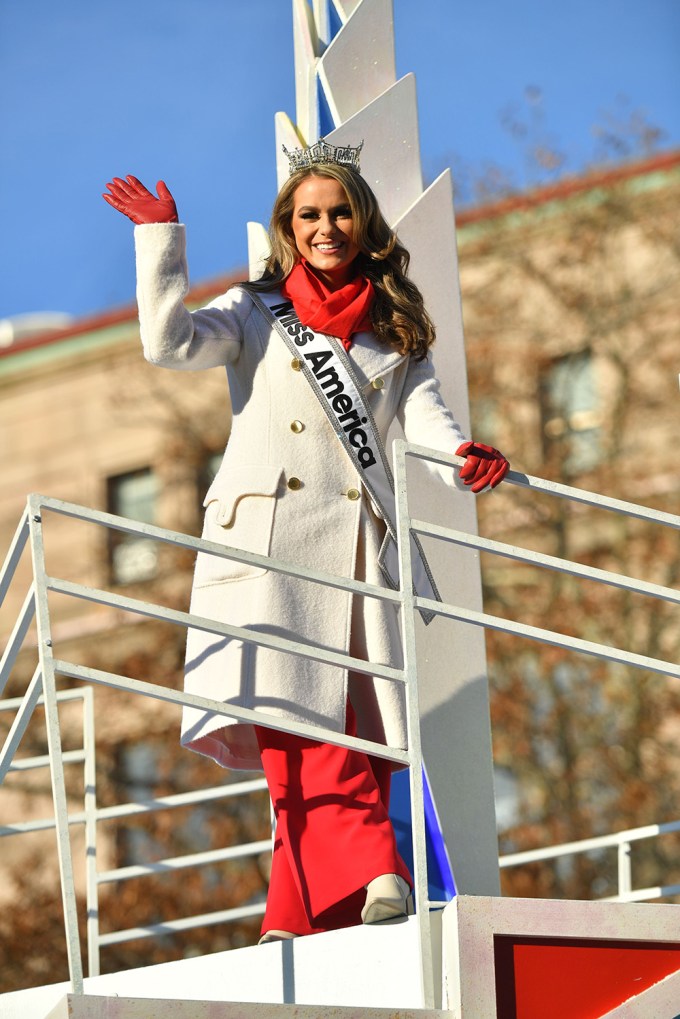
column 130, row 197
column 483, row 465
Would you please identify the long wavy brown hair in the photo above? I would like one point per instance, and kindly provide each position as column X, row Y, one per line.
column 398, row 313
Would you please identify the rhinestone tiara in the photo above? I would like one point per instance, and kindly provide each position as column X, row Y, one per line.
column 323, row 152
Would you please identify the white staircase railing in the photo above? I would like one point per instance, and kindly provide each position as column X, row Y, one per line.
column 623, row 842
column 43, row 685
column 93, row 815
column 575, row 495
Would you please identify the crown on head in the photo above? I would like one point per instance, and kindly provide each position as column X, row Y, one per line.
column 323, row 152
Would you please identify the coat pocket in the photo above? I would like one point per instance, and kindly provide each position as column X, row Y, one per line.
column 240, row 507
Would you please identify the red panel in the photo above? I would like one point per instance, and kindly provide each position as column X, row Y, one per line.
column 575, row 978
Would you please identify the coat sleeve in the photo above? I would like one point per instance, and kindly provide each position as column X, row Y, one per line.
column 426, row 419
column 172, row 336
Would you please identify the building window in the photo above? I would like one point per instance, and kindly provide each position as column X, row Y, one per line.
column 132, row 557
column 571, row 411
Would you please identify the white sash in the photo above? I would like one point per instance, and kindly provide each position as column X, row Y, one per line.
column 329, row 371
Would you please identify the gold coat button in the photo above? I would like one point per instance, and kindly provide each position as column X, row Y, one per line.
column 353, row 494
column 378, row 383
column 297, row 427
column 294, row 484
column 296, row 364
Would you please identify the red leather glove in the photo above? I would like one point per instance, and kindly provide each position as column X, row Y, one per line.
column 130, row 197
column 483, row 465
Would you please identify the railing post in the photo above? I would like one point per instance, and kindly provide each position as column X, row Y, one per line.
column 625, row 870
column 413, row 727
column 54, row 745
column 91, row 876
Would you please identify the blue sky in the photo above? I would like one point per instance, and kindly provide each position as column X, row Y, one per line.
column 187, row 91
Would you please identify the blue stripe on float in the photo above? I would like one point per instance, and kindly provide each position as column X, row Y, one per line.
column 436, row 840
column 334, row 20
column 441, row 883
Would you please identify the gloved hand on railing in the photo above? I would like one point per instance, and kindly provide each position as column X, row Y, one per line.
column 130, row 197
column 483, row 465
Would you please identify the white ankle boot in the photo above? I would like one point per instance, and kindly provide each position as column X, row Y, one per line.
column 388, row 897
column 275, row 936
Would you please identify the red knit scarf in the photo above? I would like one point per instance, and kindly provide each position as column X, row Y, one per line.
column 340, row 313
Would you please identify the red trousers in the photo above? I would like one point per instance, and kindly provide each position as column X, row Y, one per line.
column 333, row 833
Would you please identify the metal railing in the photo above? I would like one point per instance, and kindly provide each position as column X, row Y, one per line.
column 623, row 842
column 43, row 688
column 93, row 815
column 575, row 495
column 44, row 679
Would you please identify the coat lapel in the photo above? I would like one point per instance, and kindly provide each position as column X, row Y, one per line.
column 371, row 359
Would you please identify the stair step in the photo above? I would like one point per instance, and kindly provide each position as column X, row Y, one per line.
column 359, row 968
column 98, row 1007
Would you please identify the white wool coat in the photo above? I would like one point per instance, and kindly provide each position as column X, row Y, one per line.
column 280, row 433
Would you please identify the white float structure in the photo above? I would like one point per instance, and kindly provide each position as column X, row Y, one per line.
column 347, row 91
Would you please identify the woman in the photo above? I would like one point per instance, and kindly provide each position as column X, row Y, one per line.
column 298, row 482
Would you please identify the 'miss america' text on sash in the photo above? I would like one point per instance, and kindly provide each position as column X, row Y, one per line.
column 329, row 381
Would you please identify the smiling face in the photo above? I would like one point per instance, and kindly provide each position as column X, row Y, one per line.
column 323, row 229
